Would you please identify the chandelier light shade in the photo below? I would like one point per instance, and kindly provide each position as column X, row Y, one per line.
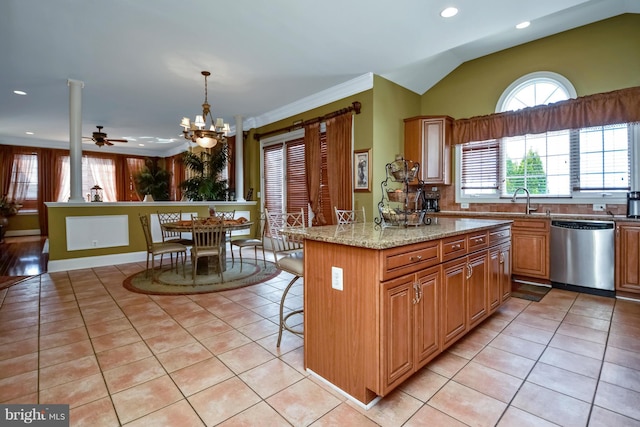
column 196, row 131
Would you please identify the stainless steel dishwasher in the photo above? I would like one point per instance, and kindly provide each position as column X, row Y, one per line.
column 582, row 256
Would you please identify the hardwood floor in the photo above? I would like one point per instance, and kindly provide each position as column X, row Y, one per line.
column 23, row 256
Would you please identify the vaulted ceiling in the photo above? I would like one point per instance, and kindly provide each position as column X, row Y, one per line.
column 140, row 60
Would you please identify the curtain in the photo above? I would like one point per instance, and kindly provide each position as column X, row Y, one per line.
column 6, row 157
column 176, row 167
column 133, row 166
column 313, row 168
column 23, row 163
column 620, row 106
column 339, row 161
column 103, row 172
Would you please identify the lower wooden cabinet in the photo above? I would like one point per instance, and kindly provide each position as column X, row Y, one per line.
column 628, row 257
column 465, row 295
column 410, row 336
column 530, row 245
column 499, row 275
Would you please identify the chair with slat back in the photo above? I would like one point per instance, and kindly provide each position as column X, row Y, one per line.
column 160, row 248
column 208, row 241
column 288, row 256
column 251, row 242
column 344, row 216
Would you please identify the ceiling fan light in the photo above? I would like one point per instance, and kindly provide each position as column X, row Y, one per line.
column 185, row 123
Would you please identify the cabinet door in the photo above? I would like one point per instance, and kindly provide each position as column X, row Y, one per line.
column 426, row 141
column 505, row 271
column 477, row 288
column 427, row 335
column 397, row 330
column 628, row 258
column 530, row 251
column 453, row 306
column 494, row 278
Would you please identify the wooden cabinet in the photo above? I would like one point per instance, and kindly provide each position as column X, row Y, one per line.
column 465, row 301
column 410, row 320
column 499, row 275
column 427, row 140
column 398, row 308
column 628, row 257
column 530, row 246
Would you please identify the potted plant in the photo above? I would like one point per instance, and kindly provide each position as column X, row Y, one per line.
column 8, row 208
column 205, row 168
column 153, row 181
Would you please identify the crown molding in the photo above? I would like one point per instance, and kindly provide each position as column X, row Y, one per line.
column 335, row 93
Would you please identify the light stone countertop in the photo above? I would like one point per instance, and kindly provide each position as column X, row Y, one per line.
column 369, row 235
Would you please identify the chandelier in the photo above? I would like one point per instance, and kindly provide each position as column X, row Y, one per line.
column 197, row 131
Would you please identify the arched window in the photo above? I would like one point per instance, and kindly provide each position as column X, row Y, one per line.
column 566, row 166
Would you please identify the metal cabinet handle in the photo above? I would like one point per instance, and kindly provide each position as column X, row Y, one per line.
column 415, row 258
column 501, row 257
column 455, row 246
column 417, row 294
column 469, row 271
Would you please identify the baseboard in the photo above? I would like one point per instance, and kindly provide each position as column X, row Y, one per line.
column 20, row 233
column 95, row 261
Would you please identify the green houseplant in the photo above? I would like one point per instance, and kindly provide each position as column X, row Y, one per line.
column 153, row 180
column 204, row 169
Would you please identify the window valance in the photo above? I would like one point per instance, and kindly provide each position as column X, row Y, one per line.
column 620, row 106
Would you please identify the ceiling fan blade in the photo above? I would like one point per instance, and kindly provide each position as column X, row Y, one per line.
column 106, row 141
column 118, row 140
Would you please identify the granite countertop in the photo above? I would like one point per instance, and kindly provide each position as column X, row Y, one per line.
column 369, row 235
column 536, row 215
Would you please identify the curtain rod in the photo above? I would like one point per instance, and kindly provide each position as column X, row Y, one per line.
column 355, row 107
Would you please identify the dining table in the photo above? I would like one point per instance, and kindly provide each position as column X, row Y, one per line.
column 185, row 226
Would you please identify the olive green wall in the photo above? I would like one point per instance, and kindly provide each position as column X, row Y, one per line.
column 57, row 226
column 391, row 104
column 596, row 58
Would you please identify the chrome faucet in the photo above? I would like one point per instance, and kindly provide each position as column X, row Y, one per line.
column 528, row 208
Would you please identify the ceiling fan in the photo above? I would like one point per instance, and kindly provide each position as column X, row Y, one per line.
column 100, row 138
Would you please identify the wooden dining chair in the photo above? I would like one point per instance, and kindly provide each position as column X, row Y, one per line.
column 227, row 216
column 208, row 241
column 160, row 248
column 344, row 216
column 171, row 235
column 251, row 242
column 288, row 256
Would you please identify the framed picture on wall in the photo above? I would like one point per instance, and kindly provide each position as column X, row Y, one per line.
column 362, row 170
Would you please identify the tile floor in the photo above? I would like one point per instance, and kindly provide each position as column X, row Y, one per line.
column 121, row 358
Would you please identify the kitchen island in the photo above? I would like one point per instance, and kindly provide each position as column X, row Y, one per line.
column 381, row 303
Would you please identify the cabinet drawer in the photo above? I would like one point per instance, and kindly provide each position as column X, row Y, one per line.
column 478, row 241
column 499, row 235
column 454, row 247
column 532, row 224
column 409, row 259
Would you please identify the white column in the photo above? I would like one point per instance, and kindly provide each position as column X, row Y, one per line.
column 75, row 139
column 239, row 160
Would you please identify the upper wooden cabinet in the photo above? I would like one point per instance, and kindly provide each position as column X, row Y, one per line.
column 427, row 140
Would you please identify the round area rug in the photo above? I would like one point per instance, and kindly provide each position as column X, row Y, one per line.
column 168, row 282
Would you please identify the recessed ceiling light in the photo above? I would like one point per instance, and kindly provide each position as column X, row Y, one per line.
column 140, row 145
column 19, row 92
column 522, row 25
column 29, row 133
column 449, row 12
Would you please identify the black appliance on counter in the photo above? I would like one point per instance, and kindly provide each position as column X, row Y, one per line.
column 430, row 201
column 633, row 204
